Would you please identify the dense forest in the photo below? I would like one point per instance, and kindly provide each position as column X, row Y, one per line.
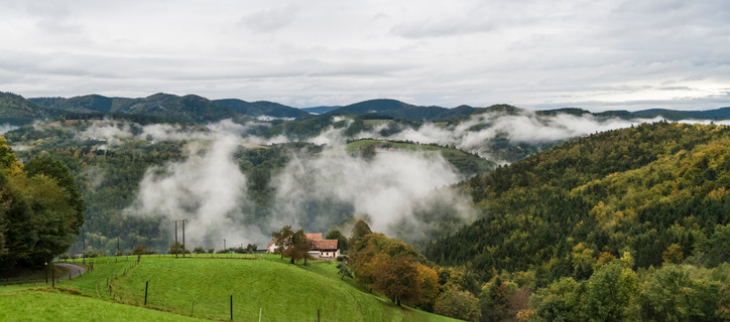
column 594, row 219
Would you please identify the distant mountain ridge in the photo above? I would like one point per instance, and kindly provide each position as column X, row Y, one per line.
column 261, row 108
column 197, row 109
column 403, row 110
column 17, row 110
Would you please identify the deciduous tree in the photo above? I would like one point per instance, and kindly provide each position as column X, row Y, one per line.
column 458, row 303
column 398, row 279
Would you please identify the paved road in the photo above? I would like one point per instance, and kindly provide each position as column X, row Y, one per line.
column 73, row 270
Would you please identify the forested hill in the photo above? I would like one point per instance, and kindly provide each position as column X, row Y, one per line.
column 188, row 108
column 17, row 110
column 262, row 108
column 639, row 190
column 402, row 110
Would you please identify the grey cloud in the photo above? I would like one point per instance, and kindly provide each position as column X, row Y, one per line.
column 269, row 20
column 562, row 52
column 442, row 28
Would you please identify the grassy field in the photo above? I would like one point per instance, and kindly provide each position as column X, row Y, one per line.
column 283, row 292
column 46, row 305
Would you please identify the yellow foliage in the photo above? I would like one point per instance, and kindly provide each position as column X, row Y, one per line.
column 605, row 258
column 429, row 279
column 718, row 194
column 673, row 254
column 526, row 315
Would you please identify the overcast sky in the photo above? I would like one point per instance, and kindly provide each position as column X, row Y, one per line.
column 597, row 55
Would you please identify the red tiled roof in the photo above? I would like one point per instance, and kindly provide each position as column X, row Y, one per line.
column 314, row 236
column 324, row 244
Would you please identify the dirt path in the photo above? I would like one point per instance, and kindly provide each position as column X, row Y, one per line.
column 73, row 270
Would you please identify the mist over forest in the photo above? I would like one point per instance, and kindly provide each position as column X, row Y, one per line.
column 241, row 178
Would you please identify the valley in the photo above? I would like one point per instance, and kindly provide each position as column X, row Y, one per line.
column 504, row 204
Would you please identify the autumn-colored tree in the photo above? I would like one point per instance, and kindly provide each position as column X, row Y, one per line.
column 673, row 254
column 298, row 247
column 430, row 287
column 397, row 278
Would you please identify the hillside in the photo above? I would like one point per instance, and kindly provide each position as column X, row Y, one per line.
column 468, row 164
column 402, row 110
column 81, row 104
column 283, row 292
column 189, row 108
column 639, row 190
column 15, row 109
column 261, row 108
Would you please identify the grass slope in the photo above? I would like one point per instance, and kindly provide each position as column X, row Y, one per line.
column 285, row 293
column 47, row 305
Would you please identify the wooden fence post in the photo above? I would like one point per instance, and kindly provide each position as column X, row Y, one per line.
column 146, row 286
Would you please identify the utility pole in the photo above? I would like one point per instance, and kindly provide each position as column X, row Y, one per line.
column 224, row 244
column 118, row 246
column 183, row 245
column 83, row 247
column 176, row 239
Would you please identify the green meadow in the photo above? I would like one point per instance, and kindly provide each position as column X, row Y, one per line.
column 202, row 287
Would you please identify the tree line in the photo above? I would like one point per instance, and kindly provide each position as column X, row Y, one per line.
column 40, row 211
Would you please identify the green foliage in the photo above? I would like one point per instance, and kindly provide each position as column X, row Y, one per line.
column 360, row 230
column 672, row 294
column 715, row 250
column 40, row 211
column 343, row 270
column 559, row 301
column 459, row 304
column 55, row 169
column 608, row 293
column 177, row 248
